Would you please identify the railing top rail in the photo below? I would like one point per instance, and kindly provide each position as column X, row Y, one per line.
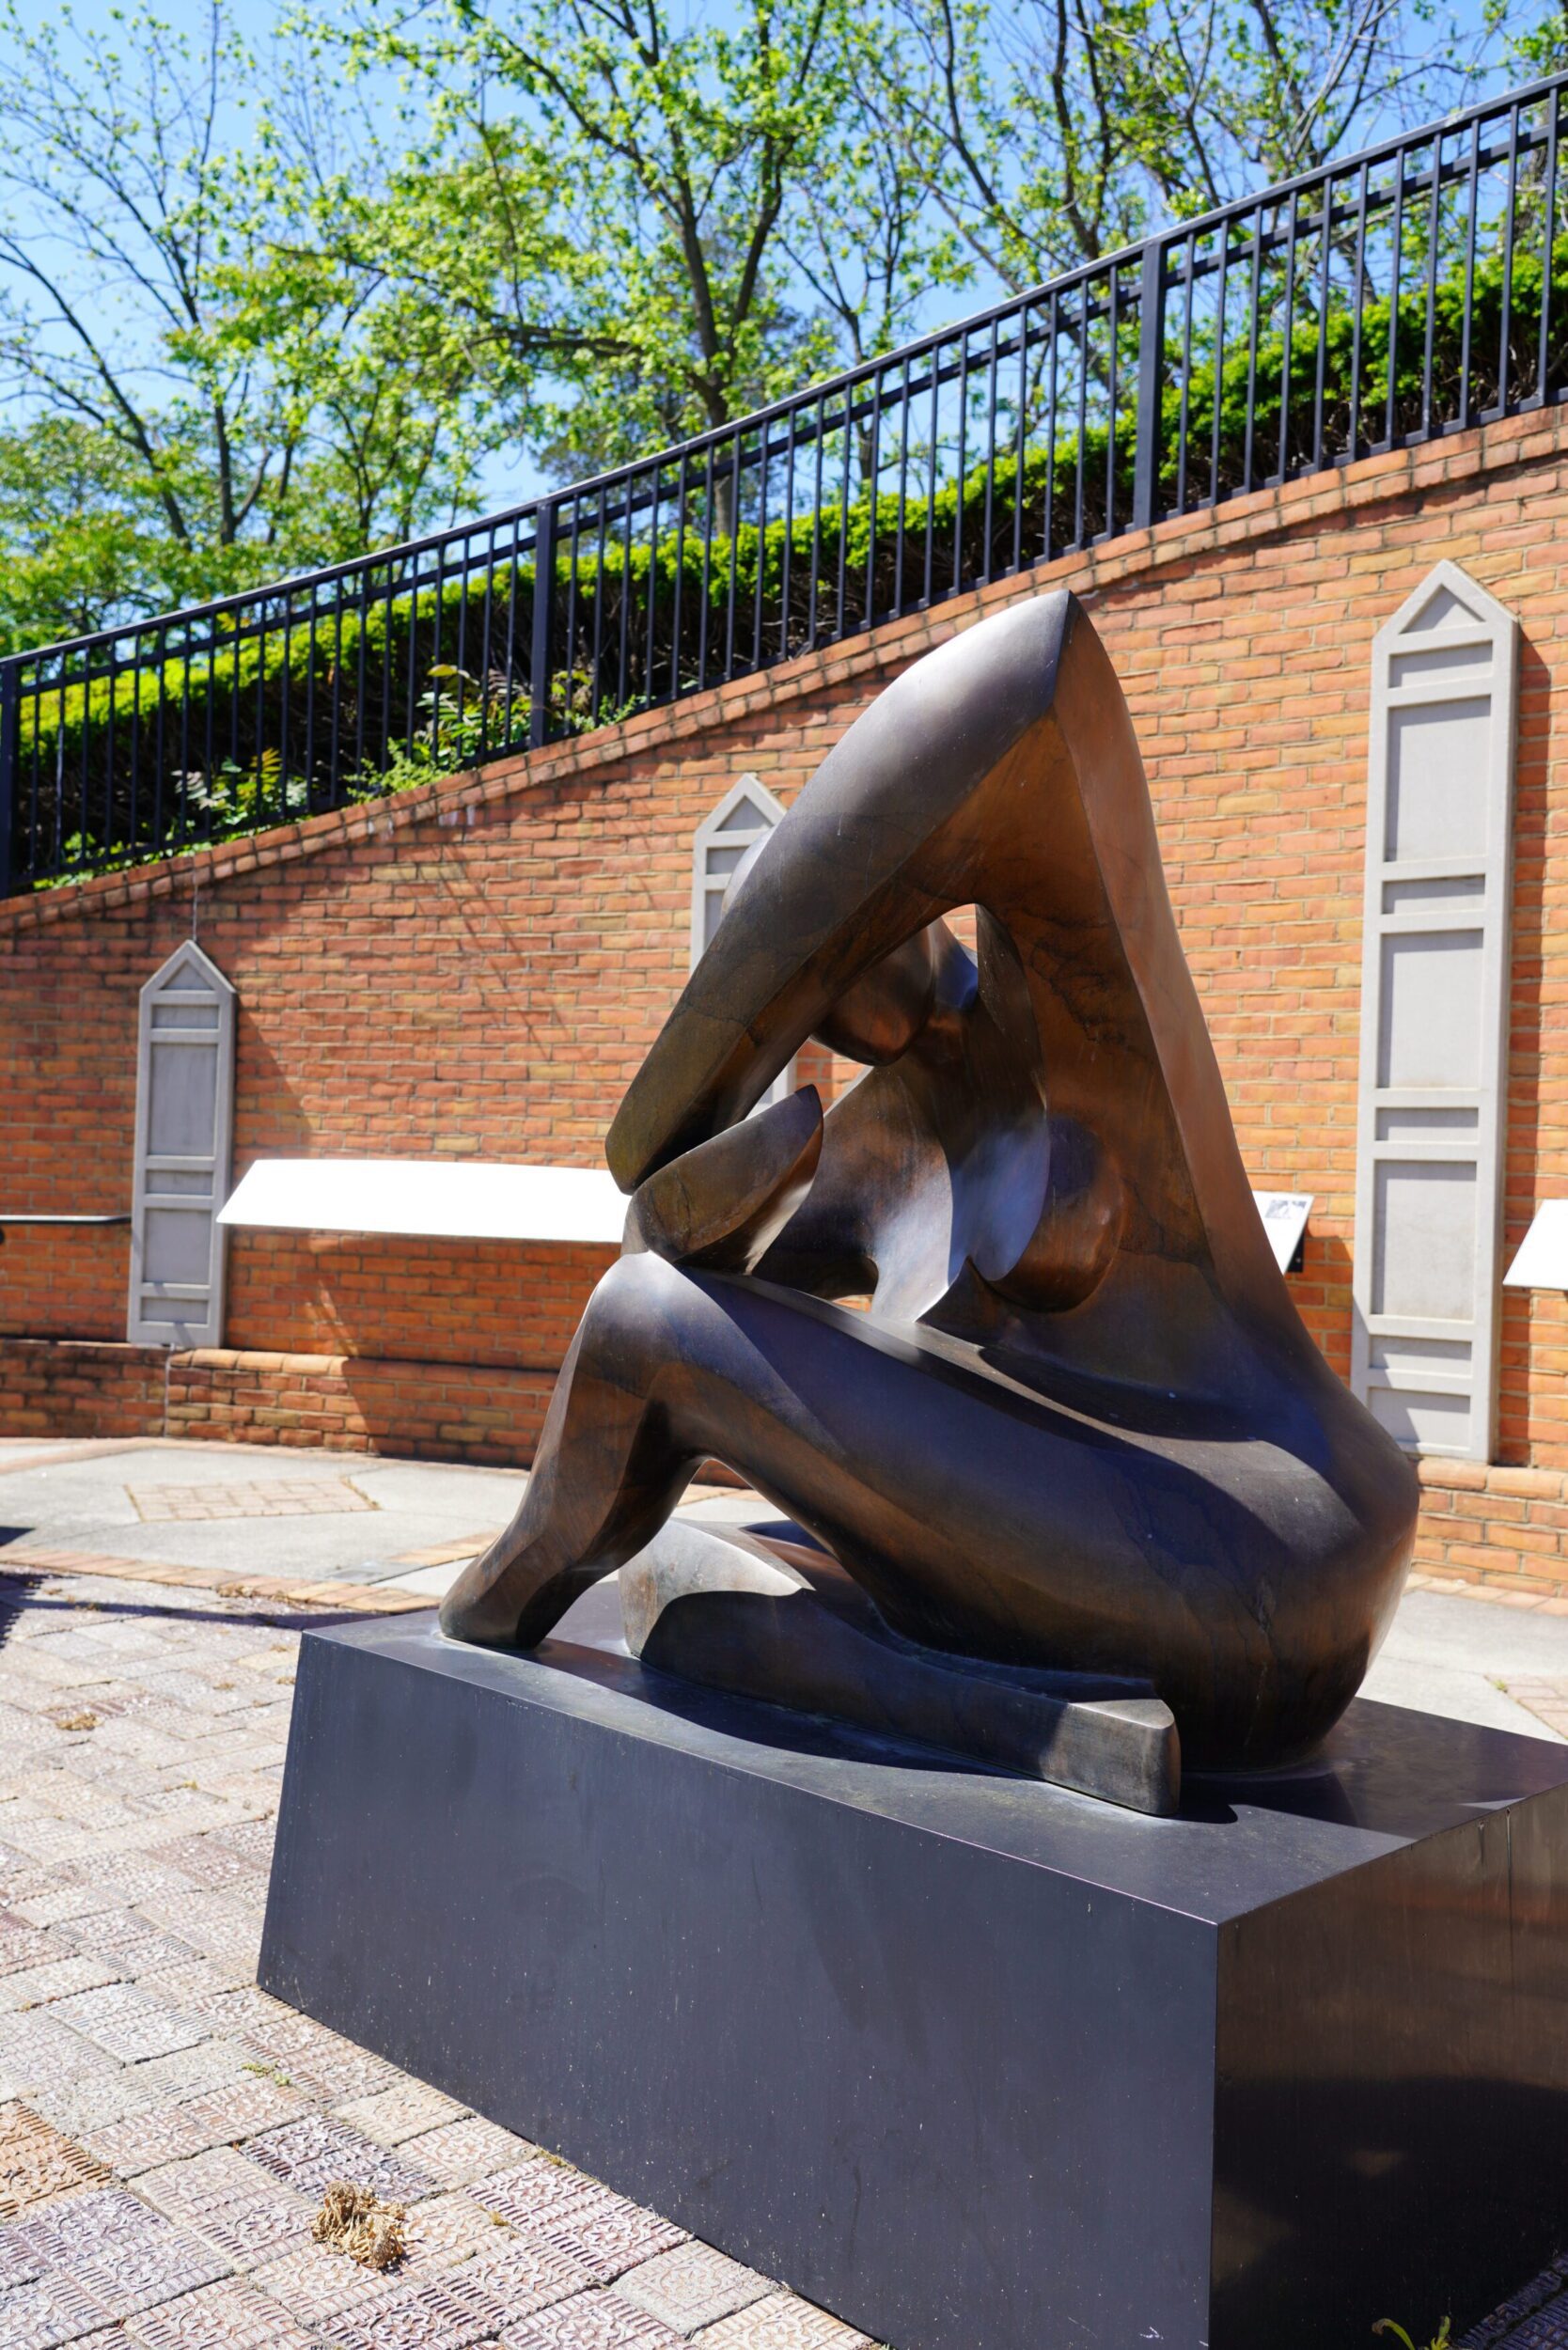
column 1124, row 263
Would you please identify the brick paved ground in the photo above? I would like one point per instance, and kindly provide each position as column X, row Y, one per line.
column 166, row 2130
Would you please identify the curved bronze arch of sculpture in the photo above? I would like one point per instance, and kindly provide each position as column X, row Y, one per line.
column 1082, row 1431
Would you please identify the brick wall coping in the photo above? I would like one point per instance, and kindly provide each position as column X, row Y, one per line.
column 1516, row 444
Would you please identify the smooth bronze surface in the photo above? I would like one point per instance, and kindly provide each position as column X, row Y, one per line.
column 1081, row 1428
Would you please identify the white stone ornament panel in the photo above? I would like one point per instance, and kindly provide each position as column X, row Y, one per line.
column 184, row 1120
column 1434, row 1016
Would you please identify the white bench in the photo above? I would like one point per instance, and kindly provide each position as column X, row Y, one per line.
column 429, row 1198
column 503, row 1199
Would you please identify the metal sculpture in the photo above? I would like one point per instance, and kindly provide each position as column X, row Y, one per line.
column 1078, row 1495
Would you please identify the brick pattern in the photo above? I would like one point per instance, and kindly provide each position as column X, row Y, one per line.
column 476, row 966
column 164, row 2136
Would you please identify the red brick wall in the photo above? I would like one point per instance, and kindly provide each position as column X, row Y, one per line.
column 476, row 968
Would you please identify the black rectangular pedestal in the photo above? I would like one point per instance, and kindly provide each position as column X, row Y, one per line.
column 979, row 2064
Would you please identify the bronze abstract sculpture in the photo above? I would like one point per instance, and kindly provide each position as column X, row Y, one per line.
column 1077, row 1492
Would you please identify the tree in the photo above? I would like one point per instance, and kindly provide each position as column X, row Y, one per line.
column 615, row 206
column 194, row 420
column 1069, row 128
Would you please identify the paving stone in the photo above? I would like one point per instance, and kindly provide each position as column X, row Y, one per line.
column 122, row 2020
column 781, row 2323
column 314, row 2284
column 36, row 2161
column 278, row 1497
column 336, row 2074
column 524, row 2277
column 592, row 2320
column 450, row 2313
column 231, row 2203
column 26, row 1947
column 38, row 2050
column 693, row 2286
column 50, row 2311
column 394, row 2115
column 461, row 2152
column 446, row 2230
column 36, row 1986
column 18, row 2262
column 209, row 1860
column 132, row 1945
column 309, row 2153
column 559, row 2207
column 123, row 2254
column 227, row 2316
column 220, row 2116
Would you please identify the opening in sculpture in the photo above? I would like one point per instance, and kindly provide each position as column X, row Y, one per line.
column 1078, row 1495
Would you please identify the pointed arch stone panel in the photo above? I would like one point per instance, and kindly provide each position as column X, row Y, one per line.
column 726, row 843
column 185, row 1124
column 1434, row 1016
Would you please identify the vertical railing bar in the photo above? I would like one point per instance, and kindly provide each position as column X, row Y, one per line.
column 1326, row 218
column 1506, row 327
column 761, row 558
column 1083, row 414
column 840, row 612
column 959, row 514
column 569, row 647
column 210, row 749
column 787, row 551
column 10, row 737
column 387, row 669
column 1113, row 330
column 1433, row 217
column 545, row 529
column 412, row 666
column 903, row 490
column 1287, row 362
column 734, row 553
column 309, row 700
column 363, row 576
column 1396, row 273
column 816, row 528
column 110, row 678
column 286, row 682
column 84, row 815
column 438, row 614
column 160, row 738
column 334, row 773
column 1053, row 340
column 598, row 701
column 481, row 684
column 1250, row 438
column 656, row 479
column 1020, row 438
column 702, row 615
column 460, row 661
column 136, row 794
column 681, row 493
column 987, row 565
column 932, row 472
column 1183, row 421
column 1548, row 255
column 623, row 662
column 1352, row 441
column 59, row 772
column 874, row 487
column 1472, row 193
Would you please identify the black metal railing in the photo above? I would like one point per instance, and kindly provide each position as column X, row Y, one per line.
column 1405, row 292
